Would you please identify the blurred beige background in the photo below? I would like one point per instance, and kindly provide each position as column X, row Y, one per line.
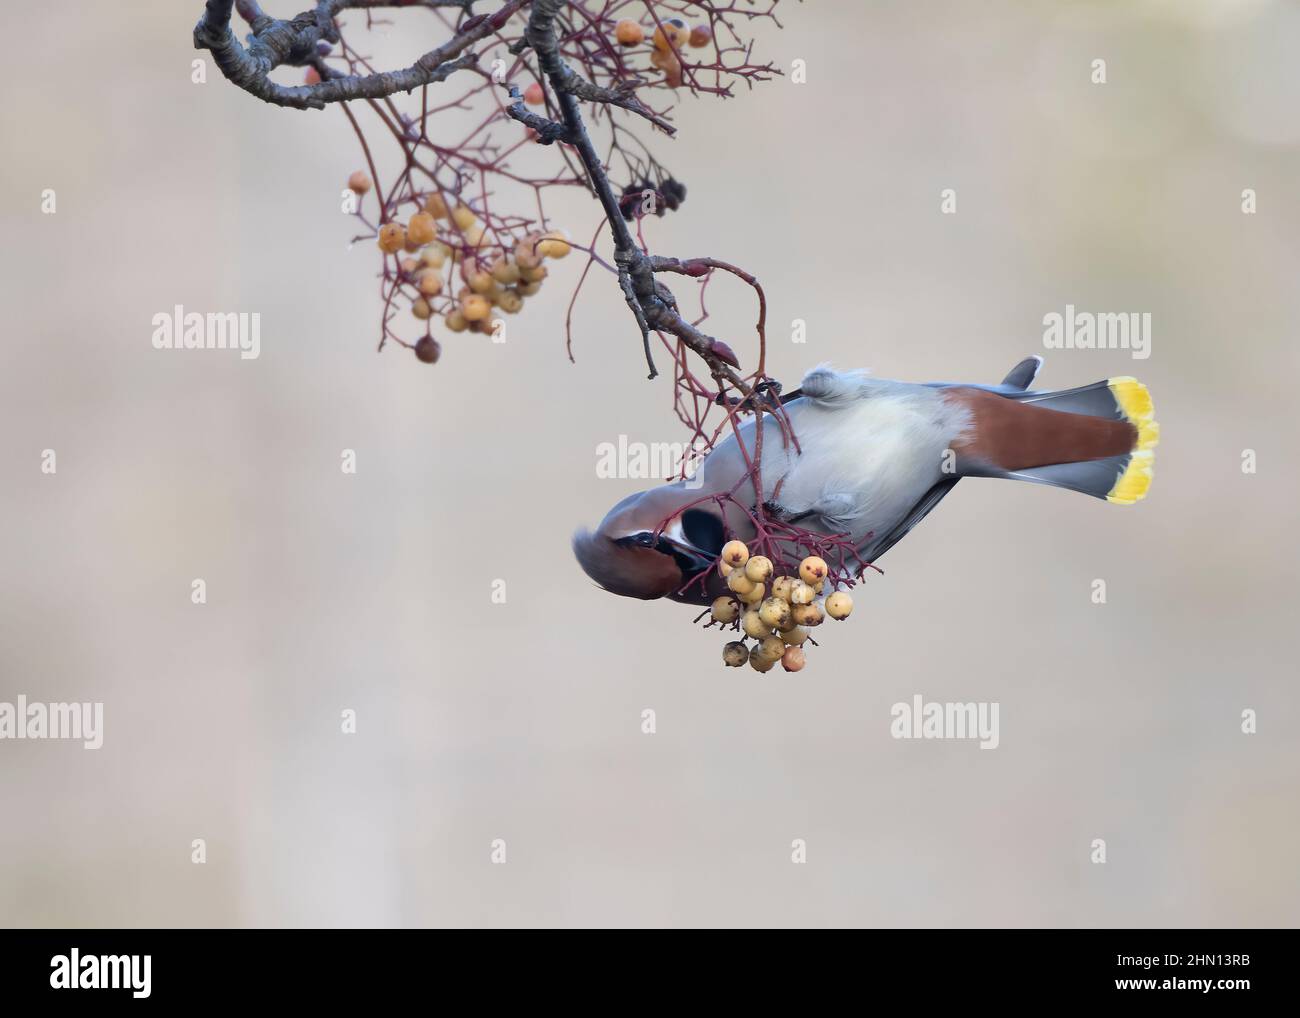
column 522, row 721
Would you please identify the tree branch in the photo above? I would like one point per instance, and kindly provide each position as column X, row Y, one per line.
column 651, row 303
column 275, row 42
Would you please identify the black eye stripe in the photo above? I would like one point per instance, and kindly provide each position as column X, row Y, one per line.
column 704, row 530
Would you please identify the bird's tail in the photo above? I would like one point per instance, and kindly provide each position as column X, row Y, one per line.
column 1098, row 439
column 1123, row 479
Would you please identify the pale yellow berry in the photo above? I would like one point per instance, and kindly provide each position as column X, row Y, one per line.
column 759, row 569
column 456, row 321
column 754, row 596
column 812, row 569
column 482, row 282
column 505, row 271
column 430, row 282
column 473, row 235
column 554, row 245
column 753, row 625
column 526, row 256
column 801, row 593
column 475, row 307
column 463, row 216
column 735, row 553
column 735, row 654
column 792, row 660
column 533, row 275
column 771, row 648
column 838, row 605
column 760, row 663
column 795, row 637
column 434, row 255
column 509, row 302
column 725, row 609
column 775, row 613
column 739, row 583
column 527, row 289
column 782, row 586
column 420, row 308
column 724, row 568
column 807, row 614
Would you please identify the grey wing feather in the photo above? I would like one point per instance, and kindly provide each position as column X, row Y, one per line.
column 929, row 500
column 1023, row 374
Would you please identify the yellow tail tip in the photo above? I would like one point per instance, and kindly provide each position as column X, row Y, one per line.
column 1133, row 397
column 1135, row 404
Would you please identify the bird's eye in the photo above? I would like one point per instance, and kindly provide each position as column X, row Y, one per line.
column 703, row 529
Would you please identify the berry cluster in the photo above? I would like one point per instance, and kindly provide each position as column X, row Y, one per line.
column 645, row 198
column 441, row 241
column 669, row 39
column 775, row 613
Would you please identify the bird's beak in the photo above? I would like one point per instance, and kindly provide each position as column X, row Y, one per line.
column 690, row 559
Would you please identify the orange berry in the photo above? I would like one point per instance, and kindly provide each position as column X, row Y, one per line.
column 435, row 206
column 534, row 95
column 701, row 35
column 680, row 35
column 359, row 182
column 421, row 229
column 312, row 77
column 392, row 238
column 793, row 659
column 629, row 33
column 670, row 65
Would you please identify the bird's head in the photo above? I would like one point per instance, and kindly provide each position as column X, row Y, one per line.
column 651, row 544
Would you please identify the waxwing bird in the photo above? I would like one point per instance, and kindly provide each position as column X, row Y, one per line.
column 874, row 457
